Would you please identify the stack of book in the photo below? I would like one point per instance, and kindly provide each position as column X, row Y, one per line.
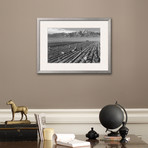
column 114, row 138
column 18, row 132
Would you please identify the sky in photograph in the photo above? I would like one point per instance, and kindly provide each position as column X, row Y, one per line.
column 70, row 30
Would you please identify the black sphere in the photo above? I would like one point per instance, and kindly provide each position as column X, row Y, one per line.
column 111, row 116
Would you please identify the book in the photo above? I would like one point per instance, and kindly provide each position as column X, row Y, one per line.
column 41, row 122
column 114, row 138
column 18, row 132
column 70, row 141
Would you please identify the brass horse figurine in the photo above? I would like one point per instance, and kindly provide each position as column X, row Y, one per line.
column 18, row 109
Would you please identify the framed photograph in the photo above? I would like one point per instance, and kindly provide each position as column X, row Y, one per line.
column 74, row 45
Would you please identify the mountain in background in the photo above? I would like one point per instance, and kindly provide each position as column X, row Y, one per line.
column 83, row 33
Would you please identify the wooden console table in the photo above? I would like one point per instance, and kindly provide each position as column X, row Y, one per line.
column 134, row 142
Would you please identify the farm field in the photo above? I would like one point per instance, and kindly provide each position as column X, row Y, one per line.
column 74, row 52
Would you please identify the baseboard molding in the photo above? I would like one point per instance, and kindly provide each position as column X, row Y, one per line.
column 74, row 116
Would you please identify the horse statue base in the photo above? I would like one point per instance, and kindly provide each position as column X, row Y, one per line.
column 18, row 122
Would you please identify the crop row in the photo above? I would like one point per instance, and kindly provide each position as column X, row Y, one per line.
column 82, row 52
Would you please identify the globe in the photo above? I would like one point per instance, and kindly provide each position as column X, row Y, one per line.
column 111, row 116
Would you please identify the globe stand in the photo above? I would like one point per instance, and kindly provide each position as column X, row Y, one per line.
column 123, row 132
column 115, row 134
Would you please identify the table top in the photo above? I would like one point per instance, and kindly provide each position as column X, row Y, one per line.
column 134, row 142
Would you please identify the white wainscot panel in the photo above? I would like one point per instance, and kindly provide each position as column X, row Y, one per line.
column 80, row 121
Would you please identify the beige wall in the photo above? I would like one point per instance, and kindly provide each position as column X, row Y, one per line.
column 128, row 83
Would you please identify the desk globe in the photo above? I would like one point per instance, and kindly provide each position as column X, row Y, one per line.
column 112, row 117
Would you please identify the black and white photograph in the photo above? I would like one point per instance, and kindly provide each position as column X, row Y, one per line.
column 74, row 45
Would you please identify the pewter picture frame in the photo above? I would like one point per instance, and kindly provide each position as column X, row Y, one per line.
column 73, row 45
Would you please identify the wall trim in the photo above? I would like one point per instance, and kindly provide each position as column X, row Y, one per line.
column 87, row 116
